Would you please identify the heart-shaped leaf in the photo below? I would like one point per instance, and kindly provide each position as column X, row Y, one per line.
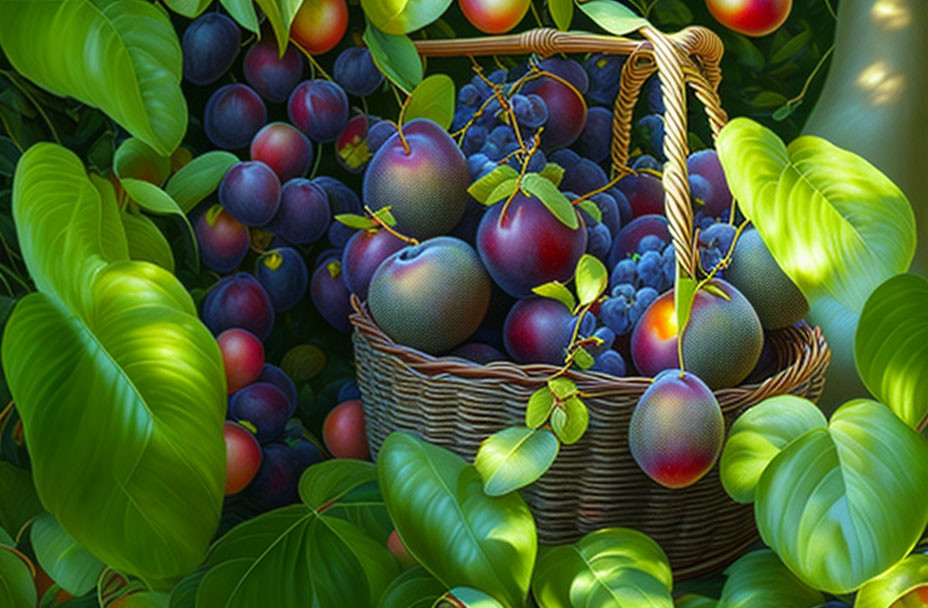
column 835, row 225
column 199, row 178
column 503, row 190
column 395, row 56
column 514, row 457
column 758, row 435
column 243, row 11
column 69, row 564
column 894, row 584
column 840, row 505
column 569, row 420
column 891, row 347
column 16, row 587
column 136, row 159
column 295, row 556
column 414, row 588
column 461, row 535
column 539, row 407
column 403, row 16
column 121, row 56
column 114, row 347
column 609, row 568
column 760, row 579
column 613, row 17
column 280, row 13
column 591, row 279
column 146, row 241
column 433, row 98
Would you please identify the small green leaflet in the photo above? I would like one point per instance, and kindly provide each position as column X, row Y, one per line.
column 613, row 17
column 562, row 387
column 591, row 278
column 569, row 420
column 583, row 359
column 483, row 187
column 556, row 291
column 562, row 11
column 539, row 407
column 513, row 458
column 353, row 220
column 552, row 198
column 683, row 295
column 553, row 172
column 592, row 209
column 433, row 98
column 384, row 215
column 396, row 56
column 502, row 191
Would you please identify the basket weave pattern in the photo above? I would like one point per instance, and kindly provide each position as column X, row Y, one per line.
column 594, row 483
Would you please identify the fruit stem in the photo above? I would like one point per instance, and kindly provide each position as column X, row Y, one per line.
column 312, row 61
column 388, row 228
column 805, row 87
column 608, row 185
column 522, row 171
column 535, row 14
column 399, row 125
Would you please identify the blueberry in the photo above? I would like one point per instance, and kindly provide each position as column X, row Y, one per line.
column 599, row 241
column 625, row 271
column 608, row 338
column 650, row 271
column 610, row 362
column 651, row 242
column 614, row 313
column 646, row 161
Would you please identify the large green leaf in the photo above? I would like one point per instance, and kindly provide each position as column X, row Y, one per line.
column 467, row 597
column 834, row 224
column 433, row 98
column 514, row 457
column 758, row 435
column 295, row 556
column 396, row 56
column 146, row 241
column 348, row 489
column 188, row 8
column 403, row 16
column 64, row 559
column 16, row 587
column 121, row 56
column 120, row 387
column 199, row 178
column 18, row 500
column 841, row 504
column 280, row 13
column 760, row 580
column 414, row 588
column 461, row 535
column 891, row 347
column 895, row 583
column 609, row 568
column 152, row 198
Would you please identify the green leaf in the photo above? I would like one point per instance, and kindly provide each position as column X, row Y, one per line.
column 683, row 295
column 514, row 457
column 502, row 191
column 591, row 209
column 554, row 173
column 395, row 56
column 280, row 13
column 539, row 407
column 145, row 599
column 791, row 47
column 184, row 594
column 483, row 187
column 414, row 588
column 556, row 291
column 471, row 598
column 835, row 225
column 562, row 12
column 691, row 600
column 591, row 279
column 325, row 561
column 243, row 11
column 136, row 159
column 461, row 535
column 760, row 579
column 552, row 198
column 121, row 56
column 672, row 14
column 384, row 215
column 348, row 489
column 784, row 111
column 562, row 387
column 569, row 420
column 359, row 222
column 403, row 16
column 146, row 241
column 188, row 8
column 894, row 584
column 433, row 98
column 891, row 347
column 758, row 435
column 6, row 539
column 115, row 347
column 199, row 178
column 18, row 500
column 152, row 198
column 841, row 505
column 613, row 17
column 69, row 564
column 16, row 587
column 609, row 568
column 583, row 359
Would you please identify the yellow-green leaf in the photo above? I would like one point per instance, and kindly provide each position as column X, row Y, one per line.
column 433, row 98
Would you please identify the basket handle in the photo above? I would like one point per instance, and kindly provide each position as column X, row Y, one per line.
column 672, row 56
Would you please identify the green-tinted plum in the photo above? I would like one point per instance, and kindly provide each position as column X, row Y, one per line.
column 425, row 187
column 431, row 296
column 677, row 429
column 722, row 342
column 755, row 273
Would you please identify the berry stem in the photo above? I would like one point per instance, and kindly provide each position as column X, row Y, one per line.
column 312, row 61
column 399, row 125
column 388, row 228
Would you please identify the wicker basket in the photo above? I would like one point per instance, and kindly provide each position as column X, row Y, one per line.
column 594, row 483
